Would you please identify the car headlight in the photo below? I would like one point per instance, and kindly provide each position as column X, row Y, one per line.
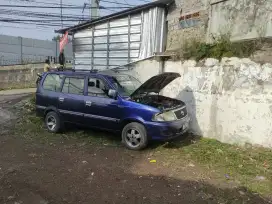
column 167, row 116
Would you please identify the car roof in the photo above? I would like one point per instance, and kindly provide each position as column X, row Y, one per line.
column 105, row 73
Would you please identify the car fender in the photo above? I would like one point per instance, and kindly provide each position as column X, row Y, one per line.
column 51, row 108
column 133, row 119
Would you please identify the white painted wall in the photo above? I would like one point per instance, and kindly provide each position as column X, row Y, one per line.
column 143, row 70
column 230, row 101
column 241, row 19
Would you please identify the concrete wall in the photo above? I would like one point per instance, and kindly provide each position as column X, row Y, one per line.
column 145, row 69
column 230, row 101
column 18, row 50
column 245, row 19
column 19, row 76
column 178, row 34
column 241, row 19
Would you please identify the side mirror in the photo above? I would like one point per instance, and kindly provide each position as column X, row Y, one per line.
column 112, row 93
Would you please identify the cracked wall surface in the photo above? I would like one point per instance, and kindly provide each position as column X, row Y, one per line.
column 245, row 19
column 19, row 76
column 242, row 19
column 230, row 100
column 178, row 36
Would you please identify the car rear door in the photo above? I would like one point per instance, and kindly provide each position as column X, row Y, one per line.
column 101, row 111
column 47, row 95
column 71, row 99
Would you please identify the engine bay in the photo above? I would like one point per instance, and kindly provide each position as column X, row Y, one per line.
column 163, row 103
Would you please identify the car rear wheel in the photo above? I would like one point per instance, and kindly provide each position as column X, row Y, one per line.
column 134, row 136
column 52, row 122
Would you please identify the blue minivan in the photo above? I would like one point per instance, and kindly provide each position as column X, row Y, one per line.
column 112, row 101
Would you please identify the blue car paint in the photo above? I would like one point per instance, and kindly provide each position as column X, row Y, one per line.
column 105, row 113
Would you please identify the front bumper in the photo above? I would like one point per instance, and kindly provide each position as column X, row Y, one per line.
column 167, row 130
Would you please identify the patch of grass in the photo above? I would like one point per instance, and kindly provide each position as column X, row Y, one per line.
column 240, row 164
column 31, row 127
column 221, row 47
column 19, row 86
column 232, row 163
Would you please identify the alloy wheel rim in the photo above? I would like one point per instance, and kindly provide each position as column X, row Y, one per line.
column 51, row 123
column 133, row 138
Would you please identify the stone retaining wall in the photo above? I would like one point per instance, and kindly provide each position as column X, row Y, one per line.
column 19, row 76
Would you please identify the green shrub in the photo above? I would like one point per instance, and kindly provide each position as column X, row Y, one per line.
column 221, row 47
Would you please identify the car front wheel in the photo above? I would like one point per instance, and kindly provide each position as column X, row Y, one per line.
column 52, row 122
column 134, row 136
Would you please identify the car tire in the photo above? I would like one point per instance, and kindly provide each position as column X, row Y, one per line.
column 134, row 136
column 53, row 122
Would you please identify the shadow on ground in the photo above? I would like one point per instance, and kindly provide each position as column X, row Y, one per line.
column 96, row 134
column 115, row 138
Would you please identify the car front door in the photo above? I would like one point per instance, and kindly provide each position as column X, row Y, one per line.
column 101, row 111
column 71, row 99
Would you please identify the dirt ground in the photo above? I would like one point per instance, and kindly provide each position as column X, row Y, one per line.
column 73, row 172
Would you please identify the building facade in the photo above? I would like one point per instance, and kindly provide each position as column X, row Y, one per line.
column 121, row 38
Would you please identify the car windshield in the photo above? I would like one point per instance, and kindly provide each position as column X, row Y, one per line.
column 125, row 84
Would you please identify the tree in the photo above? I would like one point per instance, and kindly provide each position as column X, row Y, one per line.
column 56, row 38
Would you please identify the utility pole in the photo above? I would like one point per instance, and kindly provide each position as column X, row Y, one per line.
column 84, row 6
column 61, row 13
column 61, row 54
column 94, row 11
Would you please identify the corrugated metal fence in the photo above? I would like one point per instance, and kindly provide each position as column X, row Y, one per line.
column 18, row 50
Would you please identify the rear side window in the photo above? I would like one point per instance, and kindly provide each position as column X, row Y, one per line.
column 73, row 85
column 52, row 82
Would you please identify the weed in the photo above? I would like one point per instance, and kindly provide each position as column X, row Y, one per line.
column 239, row 163
column 221, row 47
column 32, row 127
column 18, row 86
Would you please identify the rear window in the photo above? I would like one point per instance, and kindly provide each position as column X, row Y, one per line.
column 73, row 85
column 52, row 82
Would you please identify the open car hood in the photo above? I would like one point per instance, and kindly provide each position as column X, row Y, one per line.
column 156, row 83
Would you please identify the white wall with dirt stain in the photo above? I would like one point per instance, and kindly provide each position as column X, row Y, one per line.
column 230, row 100
column 241, row 19
column 145, row 69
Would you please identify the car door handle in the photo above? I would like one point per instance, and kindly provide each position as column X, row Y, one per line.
column 88, row 103
column 61, row 99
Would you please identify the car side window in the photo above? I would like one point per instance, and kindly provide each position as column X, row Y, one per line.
column 96, row 87
column 73, row 85
column 52, row 82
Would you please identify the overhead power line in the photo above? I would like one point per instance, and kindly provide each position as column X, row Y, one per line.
column 118, row 3
column 48, row 24
column 56, row 7
column 43, row 28
column 41, row 2
column 44, row 3
column 38, row 14
column 145, row 1
column 52, row 27
column 34, row 20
